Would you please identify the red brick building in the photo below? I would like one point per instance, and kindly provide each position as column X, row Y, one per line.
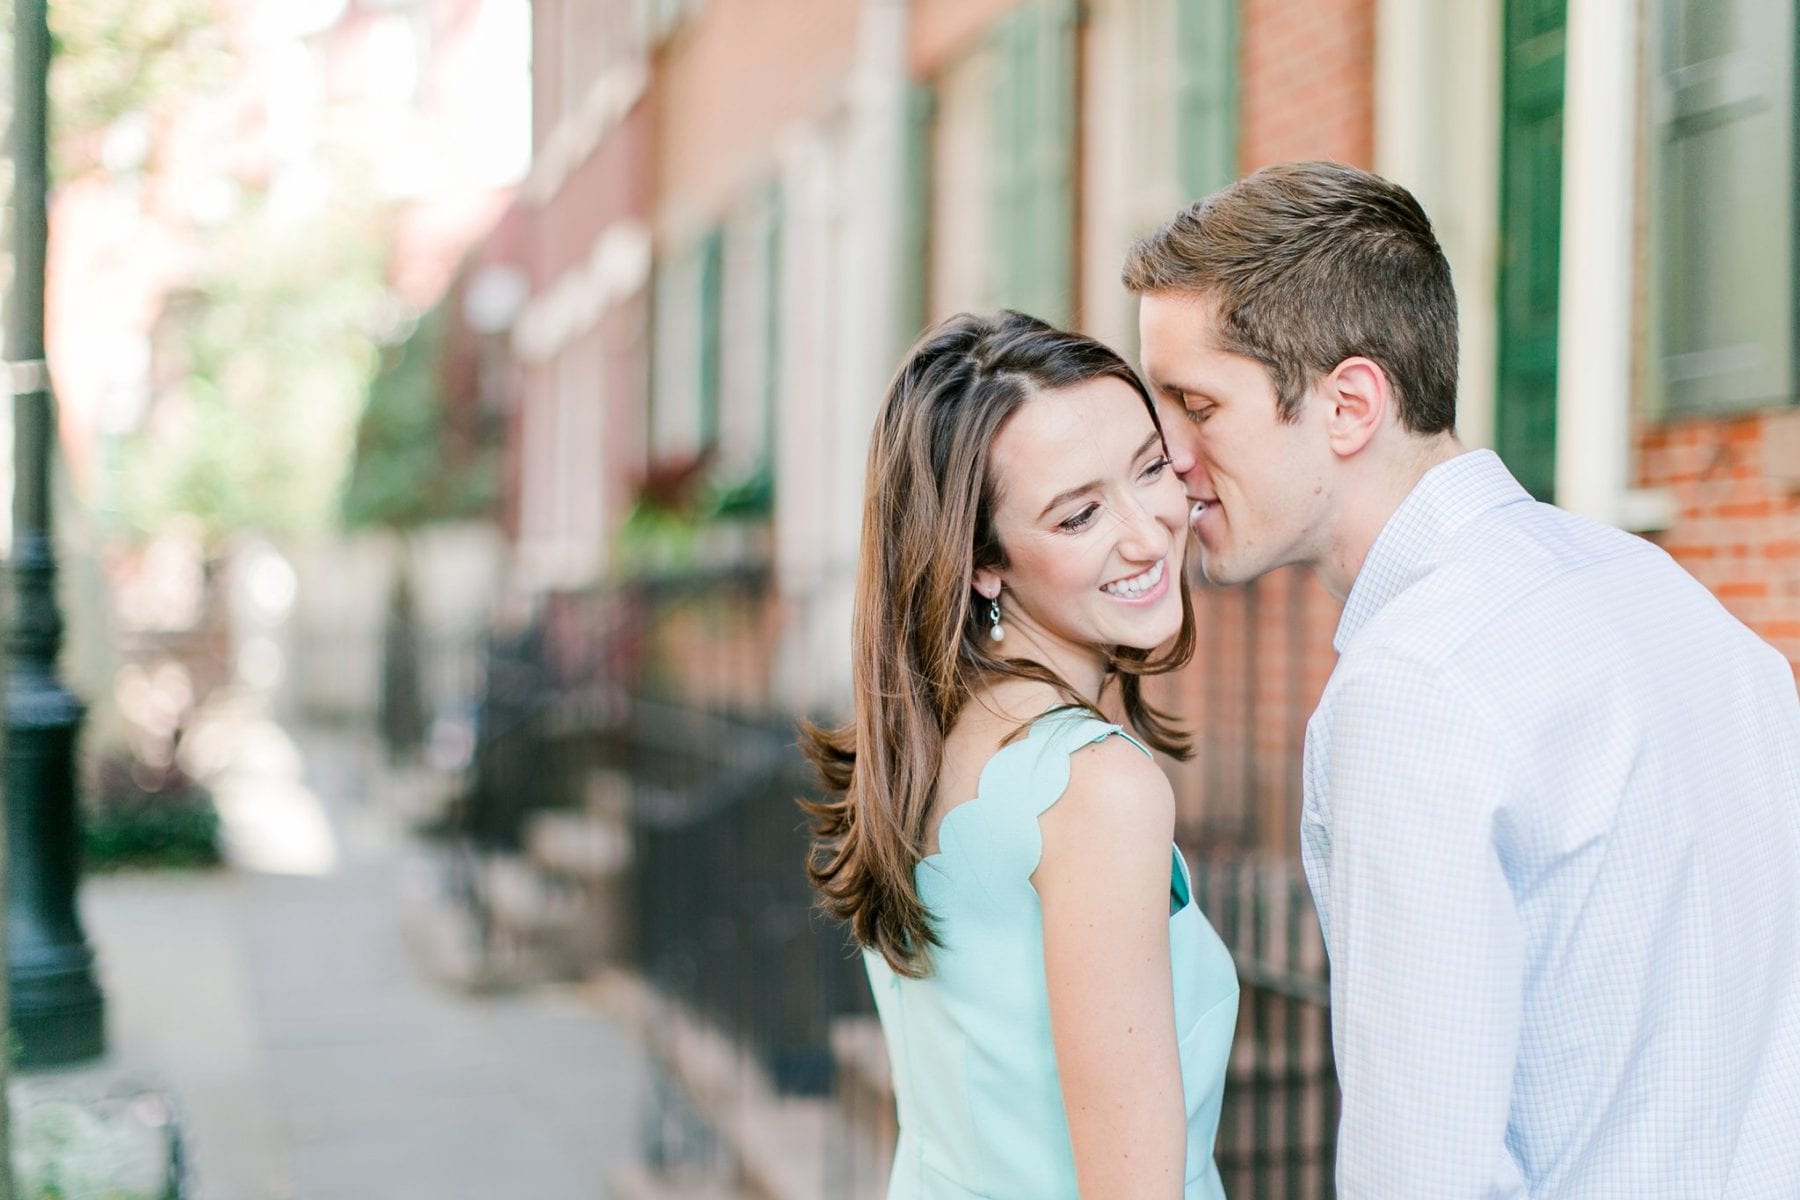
column 746, row 210
column 743, row 211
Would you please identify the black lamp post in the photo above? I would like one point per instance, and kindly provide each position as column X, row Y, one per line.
column 56, row 1006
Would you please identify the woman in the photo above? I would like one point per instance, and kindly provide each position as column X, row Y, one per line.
column 1057, row 1010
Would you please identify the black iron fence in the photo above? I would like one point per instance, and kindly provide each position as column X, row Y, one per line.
column 1278, row 1130
column 725, row 920
column 648, row 687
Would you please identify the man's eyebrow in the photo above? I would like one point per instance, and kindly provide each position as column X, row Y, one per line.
column 1063, row 497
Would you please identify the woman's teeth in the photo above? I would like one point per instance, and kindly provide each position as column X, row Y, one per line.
column 1137, row 585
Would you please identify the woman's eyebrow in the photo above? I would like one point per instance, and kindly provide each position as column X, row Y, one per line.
column 1063, row 497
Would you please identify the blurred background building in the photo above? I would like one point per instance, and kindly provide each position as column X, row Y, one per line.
column 742, row 213
column 589, row 392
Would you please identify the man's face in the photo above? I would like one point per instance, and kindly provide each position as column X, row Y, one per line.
column 1260, row 486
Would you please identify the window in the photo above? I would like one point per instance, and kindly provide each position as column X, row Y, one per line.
column 1002, row 188
column 1032, row 139
column 682, row 413
column 1160, row 131
column 1723, row 130
column 748, row 331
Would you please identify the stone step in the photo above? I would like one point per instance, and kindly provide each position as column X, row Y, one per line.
column 649, row 1183
column 865, row 1080
column 784, row 1147
column 578, row 846
column 583, row 859
column 534, row 926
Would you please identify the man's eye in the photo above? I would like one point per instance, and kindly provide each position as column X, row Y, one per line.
column 1196, row 415
column 1080, row 519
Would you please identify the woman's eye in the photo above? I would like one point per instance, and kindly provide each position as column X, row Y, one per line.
column 1155, row 468
column 1080, row 519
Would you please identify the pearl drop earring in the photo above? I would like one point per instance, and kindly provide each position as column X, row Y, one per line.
column 995, row 632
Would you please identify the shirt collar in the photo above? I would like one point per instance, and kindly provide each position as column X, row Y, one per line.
column 1443, row 500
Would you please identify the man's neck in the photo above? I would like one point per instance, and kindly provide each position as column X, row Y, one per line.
column 1371, row 501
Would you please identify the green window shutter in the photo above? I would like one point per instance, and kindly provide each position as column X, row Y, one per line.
column 916, row 232
column 1033, row 117
column 1725, row 136
column 1206, row 84
column 711, row 301
column 1531, row 146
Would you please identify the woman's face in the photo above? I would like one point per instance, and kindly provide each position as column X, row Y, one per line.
column 1092, row 523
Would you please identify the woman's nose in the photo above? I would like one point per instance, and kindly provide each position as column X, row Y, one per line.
column 1147, row 534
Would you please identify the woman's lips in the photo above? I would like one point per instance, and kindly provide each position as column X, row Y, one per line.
column 1149, row 595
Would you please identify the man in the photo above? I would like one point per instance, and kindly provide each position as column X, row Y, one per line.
column 1552, row 790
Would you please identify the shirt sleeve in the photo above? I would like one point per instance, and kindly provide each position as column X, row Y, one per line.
column 1425, row 941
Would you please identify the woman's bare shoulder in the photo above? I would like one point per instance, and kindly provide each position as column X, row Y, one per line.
column 1115, row 785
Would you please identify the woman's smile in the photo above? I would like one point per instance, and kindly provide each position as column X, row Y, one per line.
column 1146, row 587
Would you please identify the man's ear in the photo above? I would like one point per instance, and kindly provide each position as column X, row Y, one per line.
column 987, row 582
column 1360, row 397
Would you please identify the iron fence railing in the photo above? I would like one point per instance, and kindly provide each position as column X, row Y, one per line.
column 721, row 922
column 1278, row 1130
column 725, row 919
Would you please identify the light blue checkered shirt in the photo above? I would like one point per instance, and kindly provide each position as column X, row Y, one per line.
column 1552, row 825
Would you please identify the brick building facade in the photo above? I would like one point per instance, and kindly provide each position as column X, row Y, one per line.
column 765, row 202
column 743, row 211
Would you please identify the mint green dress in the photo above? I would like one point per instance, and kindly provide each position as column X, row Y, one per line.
column 981, row 1111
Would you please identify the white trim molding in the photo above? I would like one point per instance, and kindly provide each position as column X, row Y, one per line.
column 613, row 94
column 1597, row 280
column 1437, row 133
column 617, row 267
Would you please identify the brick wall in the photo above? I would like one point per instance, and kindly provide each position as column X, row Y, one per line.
column 1308, row 81
column 1737, row 489
column 729, row 84
column 613, row 182
column 943, row 30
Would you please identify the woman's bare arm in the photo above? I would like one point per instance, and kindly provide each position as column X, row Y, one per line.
column 1103, row 882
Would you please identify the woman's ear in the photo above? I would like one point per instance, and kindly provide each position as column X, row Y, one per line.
column 987, row 582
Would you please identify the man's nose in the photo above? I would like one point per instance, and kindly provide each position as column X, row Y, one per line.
column 1180, row 436
column 1183, row 457
column 1183, row 441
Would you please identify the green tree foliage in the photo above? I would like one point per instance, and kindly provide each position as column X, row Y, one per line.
column 265, row 361
column 405, row 473
column 126, row 58
column 262, row 353
column 267, row 354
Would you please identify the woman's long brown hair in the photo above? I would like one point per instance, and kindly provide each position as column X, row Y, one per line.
column 919, row 643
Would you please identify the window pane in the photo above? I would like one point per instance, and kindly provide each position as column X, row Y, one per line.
column 1725, row 111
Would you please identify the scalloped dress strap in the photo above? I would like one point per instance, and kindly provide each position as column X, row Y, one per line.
column 1071, row 729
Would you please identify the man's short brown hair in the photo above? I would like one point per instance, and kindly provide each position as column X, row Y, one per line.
column 1311, row 263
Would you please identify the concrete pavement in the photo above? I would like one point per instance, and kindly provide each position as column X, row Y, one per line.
column 310, row 1055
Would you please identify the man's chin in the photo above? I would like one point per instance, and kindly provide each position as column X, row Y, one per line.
column 1215, row 571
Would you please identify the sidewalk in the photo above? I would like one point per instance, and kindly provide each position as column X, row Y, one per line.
column 310, row 1057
